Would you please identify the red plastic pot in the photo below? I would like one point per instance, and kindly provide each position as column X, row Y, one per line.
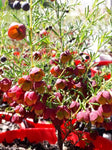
column 46, row 132
column 35, row 133
column 99, row 142
column 39, row 132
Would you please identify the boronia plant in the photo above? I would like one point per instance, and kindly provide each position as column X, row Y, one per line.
column 46, row 72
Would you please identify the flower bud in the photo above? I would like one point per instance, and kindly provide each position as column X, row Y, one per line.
column 25, row 83
column 65, row 57
column 30, row 98
column 5, row 84
column 60, row 84
column 36, row 74
column 17, row 31
column 62, row 113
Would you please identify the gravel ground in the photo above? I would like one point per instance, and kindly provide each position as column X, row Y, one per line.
column 7, row 126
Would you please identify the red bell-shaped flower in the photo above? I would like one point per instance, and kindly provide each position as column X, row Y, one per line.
column 17, row 31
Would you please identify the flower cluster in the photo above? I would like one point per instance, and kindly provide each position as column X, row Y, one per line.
column 99, row 110
column 62, row 95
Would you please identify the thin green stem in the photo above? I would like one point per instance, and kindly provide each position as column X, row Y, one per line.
column 31, row 45
column 59, row 19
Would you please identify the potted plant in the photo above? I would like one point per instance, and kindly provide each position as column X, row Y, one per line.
column 45, row 74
